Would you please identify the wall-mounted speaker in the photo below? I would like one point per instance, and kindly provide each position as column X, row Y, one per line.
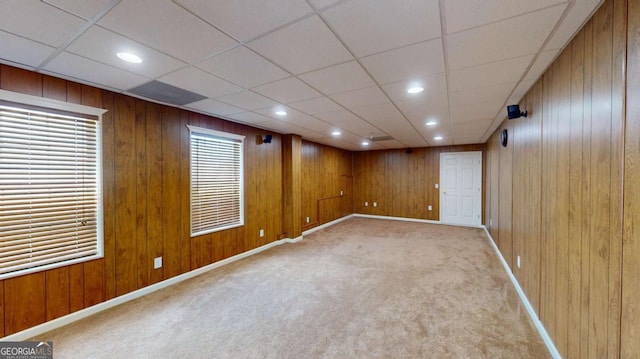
column 513, row 111
column 267, row 139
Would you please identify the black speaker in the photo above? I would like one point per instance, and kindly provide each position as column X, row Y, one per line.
column 513, row 111
column 267, row 139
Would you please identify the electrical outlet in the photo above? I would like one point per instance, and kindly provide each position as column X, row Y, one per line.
column 437, row 186
column 341, row 193
column 518, row 261
column 366, row 204
column 307, row 219
column 375, row 204
column 157, row 262
column 261, row 232
column 490, row 222
column 429, row 207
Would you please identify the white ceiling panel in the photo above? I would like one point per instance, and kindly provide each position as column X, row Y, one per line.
column 465, row 14
column 187, row 38
column 467, row 140
column 577, row 16
column 303, row 46
column 338, row 78
column 86, row 8
column 495, row 73
column 519, row 36
column 243, row 67
column 248, row 100
column 322, row 4
column 23, row 51
column 406, row 63
column 102, row 45
column 480, row 111
column 214, row 107
column 362, row 97
column 316, row 105
column 382, row 115
column 246, row 19
column 371, row 26
column 520, row 91
column 481, row 95
column 420, row 112
column 200, row 82
column 288, row 90
column 468, row 129
column 249, row 117
column 435, row 88
column 541, row 63
column 39, row 22
column 70, row 65
column 348, row 121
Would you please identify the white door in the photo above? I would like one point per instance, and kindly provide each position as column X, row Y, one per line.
column 461, row 188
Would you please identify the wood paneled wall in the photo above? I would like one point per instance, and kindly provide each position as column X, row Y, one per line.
column 325, row 172
column 146, row 204
column 402, row 184
column 556, row 192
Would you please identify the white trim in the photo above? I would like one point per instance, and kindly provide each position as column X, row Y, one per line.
column 231, row 137
column 50, row 103
column 405, row 219
column 532, row 313
column 75, row 316
column 328, row 224
column 478, row 204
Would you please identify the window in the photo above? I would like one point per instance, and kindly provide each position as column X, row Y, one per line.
column 217, row 201
column 50, row 205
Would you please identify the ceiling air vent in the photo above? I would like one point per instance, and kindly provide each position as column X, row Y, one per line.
column 160, row 91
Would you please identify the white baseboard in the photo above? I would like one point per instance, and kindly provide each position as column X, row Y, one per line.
column 75, row 316
column 523, row 297
column 328, row 224
column 406, row 219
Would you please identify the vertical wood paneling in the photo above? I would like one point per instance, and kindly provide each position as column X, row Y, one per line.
column 76, row 287
column 155, row 203
column 630, row 333
column 19, row 80
column 505, row 184
column 143, row 263
column 171, row 260
column 57, row 293
column 24, row 302
column 2, row 319
column 54, row 88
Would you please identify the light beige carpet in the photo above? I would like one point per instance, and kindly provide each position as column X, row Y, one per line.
column 364, row 288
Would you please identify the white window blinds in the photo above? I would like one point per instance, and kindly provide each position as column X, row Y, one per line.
column 216, row 180
column 49, row 189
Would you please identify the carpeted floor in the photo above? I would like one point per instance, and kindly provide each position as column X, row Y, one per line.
column 363, row 288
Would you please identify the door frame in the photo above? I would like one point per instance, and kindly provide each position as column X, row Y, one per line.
column 481, row 194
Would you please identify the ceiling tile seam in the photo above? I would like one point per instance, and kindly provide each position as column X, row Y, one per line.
column 374, row 81
column 83, row 29
column 445, row 54
column 569, row 2
column 493, row 125
column 337, row 3
column 398, row 48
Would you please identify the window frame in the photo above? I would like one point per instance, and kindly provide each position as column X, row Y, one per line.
column 228, row 137
column 52, row 106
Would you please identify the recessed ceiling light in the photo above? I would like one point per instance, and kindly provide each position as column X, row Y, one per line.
column 336, row 133
column 281, row 113
column 129, row 57
column 437, row 138
column 365, row 143
column 415, row 89
column 431, row 123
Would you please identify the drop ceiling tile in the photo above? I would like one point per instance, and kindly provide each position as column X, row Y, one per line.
column 346, row 120
column 316, row 105
column 338, row 78
column 406, row 63
column 420, row 112
column 243, row 67
column 470, row 129
column 542, row 62
column 249, row 117
column 187, row 38
column 467, row 140
column 435, row 88
column 520, row 91
column 200, row 82
column 102, row 45
column 322, row 4
column 85, row 70
column 23, row 51
column 371, row 26
column 510, row 38
column 483, row 94
column 214, row 107
column 381, row 115
column 248, row 100
column 85, row 9
column 39, row 21
column 495, row 73
column 246, row 19
column 578, row 15
column 465, row 14
column 362, row 97
column 484, row 111
column 301, row 47
column 288, row 90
